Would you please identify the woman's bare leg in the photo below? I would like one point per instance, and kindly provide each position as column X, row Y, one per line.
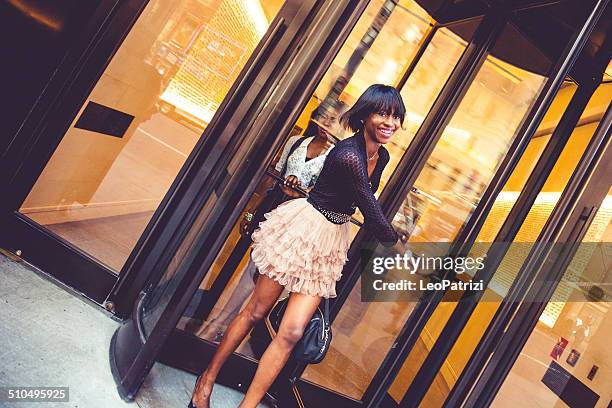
column 264, row 296
column 297, row 315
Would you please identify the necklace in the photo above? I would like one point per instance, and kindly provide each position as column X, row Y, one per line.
column 372, row 158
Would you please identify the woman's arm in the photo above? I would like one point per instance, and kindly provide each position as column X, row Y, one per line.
column 374, row 218
column 256, row 200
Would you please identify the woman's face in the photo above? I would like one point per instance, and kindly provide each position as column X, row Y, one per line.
column 380, row 126
column 329, row 122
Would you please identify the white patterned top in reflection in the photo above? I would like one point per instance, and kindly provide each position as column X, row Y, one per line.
column 306, row 171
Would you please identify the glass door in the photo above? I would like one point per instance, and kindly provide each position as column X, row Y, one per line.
column 539, row 213
column 455, row 176
column 552, row 349
column 405, row 51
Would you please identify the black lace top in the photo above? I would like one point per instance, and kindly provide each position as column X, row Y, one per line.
column 343, row 183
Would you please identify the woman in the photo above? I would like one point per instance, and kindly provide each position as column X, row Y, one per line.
column 302, row 244
column 300, row 164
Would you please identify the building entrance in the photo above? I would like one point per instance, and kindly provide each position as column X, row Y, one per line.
column 462, row 84
column 139, row 192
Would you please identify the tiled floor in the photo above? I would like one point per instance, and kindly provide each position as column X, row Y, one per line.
column 51, row 337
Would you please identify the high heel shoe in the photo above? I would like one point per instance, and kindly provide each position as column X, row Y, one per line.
column 191, row 404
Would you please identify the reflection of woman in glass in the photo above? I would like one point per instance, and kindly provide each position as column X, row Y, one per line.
column 302, row 244
column 300, row 164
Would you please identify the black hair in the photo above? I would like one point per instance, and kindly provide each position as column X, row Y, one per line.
column 376, row 98
column 312, row 128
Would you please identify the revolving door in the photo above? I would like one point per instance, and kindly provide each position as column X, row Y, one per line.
column 490, row 106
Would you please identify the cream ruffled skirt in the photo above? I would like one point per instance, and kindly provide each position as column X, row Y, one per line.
column 300, row 249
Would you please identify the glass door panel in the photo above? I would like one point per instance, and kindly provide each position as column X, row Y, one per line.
column 567, row 356
column 515, row 184
column 141, row 121
column 528, row 233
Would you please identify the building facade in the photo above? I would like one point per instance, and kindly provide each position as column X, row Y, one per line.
column 143, row 130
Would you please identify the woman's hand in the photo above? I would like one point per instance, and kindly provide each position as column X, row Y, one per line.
column 288, row 185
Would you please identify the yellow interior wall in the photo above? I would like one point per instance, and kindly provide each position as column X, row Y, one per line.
column 537, row 144
column 526, row 164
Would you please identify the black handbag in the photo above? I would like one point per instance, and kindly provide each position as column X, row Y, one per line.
column 317, row 337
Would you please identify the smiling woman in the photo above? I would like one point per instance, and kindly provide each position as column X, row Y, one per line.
column 349, row 172
column 302, row 245
column 379, row 112
column 383, row 124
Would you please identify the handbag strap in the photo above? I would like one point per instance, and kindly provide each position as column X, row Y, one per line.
column 326, row 312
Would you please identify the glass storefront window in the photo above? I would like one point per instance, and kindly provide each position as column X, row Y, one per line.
column 111, row 171
column 528, row 233
column 567, row 357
